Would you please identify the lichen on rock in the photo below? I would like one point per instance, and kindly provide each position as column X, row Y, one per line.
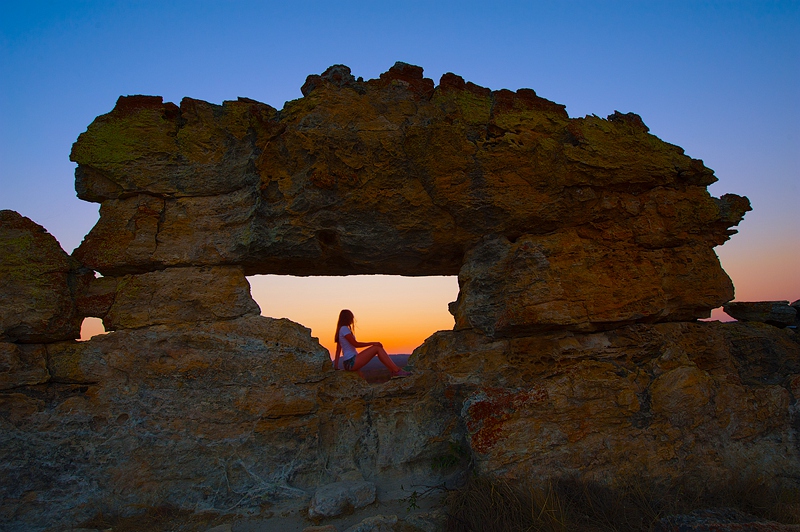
column 584, row 250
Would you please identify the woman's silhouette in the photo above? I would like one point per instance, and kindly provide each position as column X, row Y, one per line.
column 353, row 360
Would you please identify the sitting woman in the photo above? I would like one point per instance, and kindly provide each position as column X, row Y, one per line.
column 353, row 360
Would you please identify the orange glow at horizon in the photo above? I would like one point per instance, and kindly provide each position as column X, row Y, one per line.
column 91, row 327
column 400, row 312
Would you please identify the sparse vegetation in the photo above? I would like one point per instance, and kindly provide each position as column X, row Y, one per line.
column 455, row 455
column 157, row 519
column 489, row 505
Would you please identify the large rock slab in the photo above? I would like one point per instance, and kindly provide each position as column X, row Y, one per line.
column 39, row 284
column 399, row 176
column 243, row 416
column 180, row 295
column 711, row 400
column 569, row 280
column 196, row 416
column 778, row 313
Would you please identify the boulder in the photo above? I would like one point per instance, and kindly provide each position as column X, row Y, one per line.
column 234, row 416
column 147, row 146
column 180, row 295
column 639, row 401
column 153, row 233
column 778, row 313
column 202, row 416
column 334, row 499
column 569, row 280
column 39, row 284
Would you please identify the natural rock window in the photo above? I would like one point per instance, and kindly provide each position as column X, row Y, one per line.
column 92, row 327
column 584, row 249
column 400, row 312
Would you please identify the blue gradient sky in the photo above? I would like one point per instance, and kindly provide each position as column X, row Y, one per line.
column 720, row 79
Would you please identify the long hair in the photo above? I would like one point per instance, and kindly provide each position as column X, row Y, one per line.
column 346, row 318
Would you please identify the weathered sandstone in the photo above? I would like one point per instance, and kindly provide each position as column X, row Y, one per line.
column 584, row 249
column 703, row 399
column 398, row 176
column 778, row 313
column 246, row 415
column 38, row 283
column 180, row 295
column 570, row 280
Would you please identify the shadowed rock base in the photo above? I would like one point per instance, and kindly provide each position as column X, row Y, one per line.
column 247, row 416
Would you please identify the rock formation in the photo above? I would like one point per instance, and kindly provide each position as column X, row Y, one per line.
column 39, row 283
column 584, row 250
column 778, row 313
column 397, row 176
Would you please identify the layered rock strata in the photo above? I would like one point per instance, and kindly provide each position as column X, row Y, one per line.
column 584, row 249
column 778, row 313
column 398, row 176
column 711, row 401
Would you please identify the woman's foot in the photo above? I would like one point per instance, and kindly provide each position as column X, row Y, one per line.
column 399, row 374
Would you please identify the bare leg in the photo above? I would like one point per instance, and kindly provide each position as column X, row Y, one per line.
column 369, row 353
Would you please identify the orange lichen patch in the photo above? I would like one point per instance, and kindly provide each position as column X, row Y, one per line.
column 492, row 408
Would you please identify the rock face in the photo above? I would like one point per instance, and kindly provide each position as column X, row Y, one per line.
column 39, row 283
column 567, row 280
column 584, row 249
column 334, row 499
column 397, row 176
column 240, row 415
column 180, row 295
column 778, row 313
column 650, row 400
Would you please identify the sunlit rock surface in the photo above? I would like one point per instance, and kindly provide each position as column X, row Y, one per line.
column 584, row 249
column 710, row 400
column 242, row 415
column 569, row 280
column 398, row 176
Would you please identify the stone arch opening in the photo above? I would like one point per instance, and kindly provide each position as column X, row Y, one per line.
column 91, row 327
column 399, row 311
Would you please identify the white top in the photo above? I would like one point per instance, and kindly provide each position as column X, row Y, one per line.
column 348, row 351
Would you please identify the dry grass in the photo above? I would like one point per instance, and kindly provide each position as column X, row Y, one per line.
column 574, row 505
column 156, row 519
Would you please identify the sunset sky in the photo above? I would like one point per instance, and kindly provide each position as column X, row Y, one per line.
column 720, row 79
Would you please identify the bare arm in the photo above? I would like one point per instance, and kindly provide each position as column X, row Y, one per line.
column 356, row 343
